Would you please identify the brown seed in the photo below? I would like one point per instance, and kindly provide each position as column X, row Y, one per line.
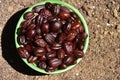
column 25, row 23
column 22, row 39
column 32, row 59
column 45, row 13
column 68, row 47
column 68, row 60
column 39, row 51
column 43, row 58
column 56, row 26
column 63, row 66
column 66, row 28
column 56, row 46
column 39, row 20
column 50, row 38
column 75, row 25
column 30, row 34
column 61, row 54
column 45, row 27
column 23, row 52
column 31, row 26
column 71, row 36
column 64, row 15
column 64, row 9
column 50, row 55
column 78, row 54
column 50, row 69
column 38, row 8
column 55, row 62
column 29, row 15
column 42, row 64
column 55, row 9
column 28, row 48
column 40, row 42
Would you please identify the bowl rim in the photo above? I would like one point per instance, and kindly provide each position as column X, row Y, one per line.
column 32, row 65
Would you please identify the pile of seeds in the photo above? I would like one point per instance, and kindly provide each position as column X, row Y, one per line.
column 52, row 37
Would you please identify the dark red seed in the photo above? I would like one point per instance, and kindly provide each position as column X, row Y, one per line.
column 55, row 9
column 45, row 13
column 80, row 45
column 78, row 54
column 45, row 27
column 67, row 27
column 75, row 25
column 39, row 20
column 42, row 64
column 74, row 16
column 29, row 15
column 71, row 36
column 55, row 26
column 81, row 29
column 40, row 42
column 22, row 39
column 30, row 34
column 68, row 47
column 48, row 48
column 61, row 54
column 25, row 24
column 48, row 5
column 50, row 55
column 38, row 8
column 50, row 38
column 38, row 30
column 50, row 69
column 43, row 58
column 68, row 60
column 28, row 48
column 38, row 37
column 39, row 51
column 23, row 52
column 63, row 21
column 63, row 66
column 64, row 9
column 83, row 36
column 32, row 59
column 64, row 15
column 61, row 37
column 31, row 26
column 56, row 46
column 55, row 62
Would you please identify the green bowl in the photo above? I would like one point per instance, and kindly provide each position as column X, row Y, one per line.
column 34, row 66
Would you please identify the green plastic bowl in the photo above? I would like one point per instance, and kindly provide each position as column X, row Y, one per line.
column 34, row 66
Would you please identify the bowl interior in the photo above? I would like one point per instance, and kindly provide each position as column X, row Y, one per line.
column 32, row 65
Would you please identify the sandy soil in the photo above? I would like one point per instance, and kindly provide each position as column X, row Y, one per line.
column 102, row 59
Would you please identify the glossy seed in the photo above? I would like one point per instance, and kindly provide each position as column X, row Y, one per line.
column 64, row 15
column 23, row 52
column 38, row 8
column 55, row 62
column 61, row 54
column 78, row 54
column 45, row 27
column 50, row 55
column 56, row 26
column 29, row 15
column 39, row 51
column 42, row 64
column 50, row 38
column 32, row 59
column 40, row 42
column 68, row 47
column 68, row 60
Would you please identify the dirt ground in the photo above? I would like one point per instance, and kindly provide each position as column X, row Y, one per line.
column 102, row 59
